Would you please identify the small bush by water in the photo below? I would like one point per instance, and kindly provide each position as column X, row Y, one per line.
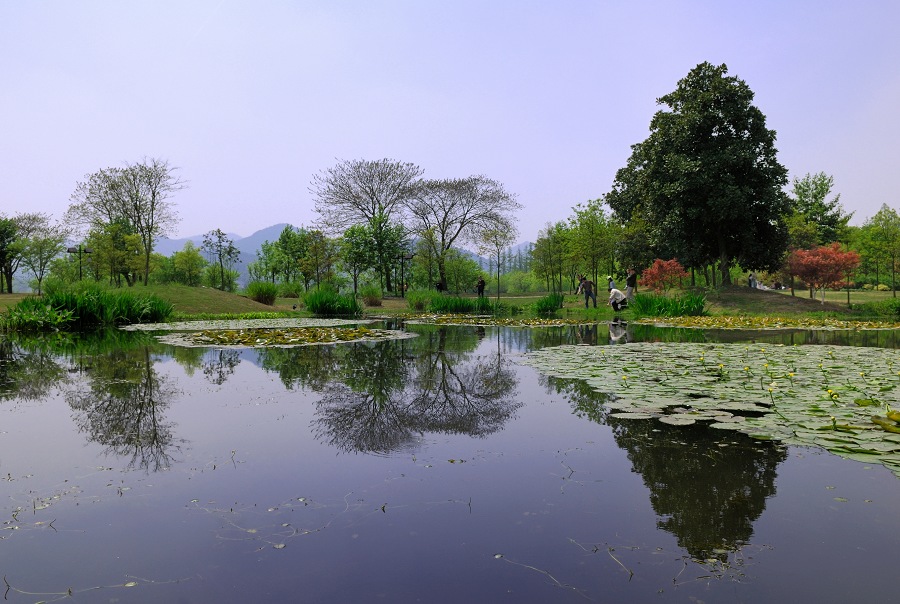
column 85, row 306
column 549, row 304
column 889, row 308
column 370, row 294
column 653, row 305
column 420, row 299
column 263, row 292
column 327, row 303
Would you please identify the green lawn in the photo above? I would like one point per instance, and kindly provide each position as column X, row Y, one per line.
column 735, row 300
column 857, row 296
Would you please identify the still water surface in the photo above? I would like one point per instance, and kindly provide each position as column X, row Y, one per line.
column 430, row 469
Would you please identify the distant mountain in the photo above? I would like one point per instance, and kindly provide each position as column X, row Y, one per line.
column 250, row 245
column 247, row 246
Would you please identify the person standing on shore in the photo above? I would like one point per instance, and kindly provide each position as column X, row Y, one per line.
column 630, row 284
column 587, row 288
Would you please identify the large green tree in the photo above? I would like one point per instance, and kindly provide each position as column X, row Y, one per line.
column 45, row 244
column 593, row 239
column 550, row 254
column 707, row 180
column 8, row 252
column 884, row 231
column 356, row 252
column 138, row 194
column 14, row 232
column 825, row 216
column 189, row 264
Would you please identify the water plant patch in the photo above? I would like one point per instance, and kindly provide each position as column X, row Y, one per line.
column 487, row 321
column 833, row 397
column 280, row 337
column 765, row 322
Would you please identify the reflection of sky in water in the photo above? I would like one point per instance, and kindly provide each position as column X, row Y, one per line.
column 552, row 490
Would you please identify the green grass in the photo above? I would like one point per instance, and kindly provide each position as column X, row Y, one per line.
column 85, row 306
column 197, row 302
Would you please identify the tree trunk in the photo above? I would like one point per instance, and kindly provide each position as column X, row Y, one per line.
column 442, row 274
column 724, row 265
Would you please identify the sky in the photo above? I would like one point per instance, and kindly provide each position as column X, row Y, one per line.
column 249, row 100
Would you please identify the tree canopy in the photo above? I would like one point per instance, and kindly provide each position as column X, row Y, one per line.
column 136, row 195
column 826, row 217
column 707, row 182
column 459, row 210
column 365, row 192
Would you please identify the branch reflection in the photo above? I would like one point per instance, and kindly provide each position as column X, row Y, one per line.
column 120, row 405
column 380, row 397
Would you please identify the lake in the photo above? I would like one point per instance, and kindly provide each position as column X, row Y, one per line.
column 437, row 468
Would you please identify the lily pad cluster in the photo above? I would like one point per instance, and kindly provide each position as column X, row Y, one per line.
column 297, row 336
column 243, row 324
column 768, row 322
column 833, row 397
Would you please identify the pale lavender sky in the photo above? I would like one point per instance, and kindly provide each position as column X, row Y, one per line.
column 250, row 99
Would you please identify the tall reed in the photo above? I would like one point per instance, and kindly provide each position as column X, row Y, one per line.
column 327, row 303
column 653, row 305
column 87, row 306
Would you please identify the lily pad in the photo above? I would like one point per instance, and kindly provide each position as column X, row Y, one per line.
column 805, row 395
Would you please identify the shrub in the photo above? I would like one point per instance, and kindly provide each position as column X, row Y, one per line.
column 652, row 305
column 370, row 294
column 664, row 275
column 87, row 305
column 549, row 304
column 290, row 290
column 883, row 308
column 33, row 314
column 263, row 292
column 327, row 303
column 881, row 287
column 420, row 299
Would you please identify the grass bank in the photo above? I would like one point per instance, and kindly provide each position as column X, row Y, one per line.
column 203, row 301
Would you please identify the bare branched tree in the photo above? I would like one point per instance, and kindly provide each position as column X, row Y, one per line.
column 366, row 192
column 361, row 192
column 456, row 211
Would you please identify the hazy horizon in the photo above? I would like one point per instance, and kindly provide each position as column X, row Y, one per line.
column 251, row 100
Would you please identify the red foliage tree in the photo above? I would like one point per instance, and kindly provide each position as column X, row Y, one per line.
column 824, row 266
column 664, row 274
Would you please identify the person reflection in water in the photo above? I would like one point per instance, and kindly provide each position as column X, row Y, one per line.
column 618, row 332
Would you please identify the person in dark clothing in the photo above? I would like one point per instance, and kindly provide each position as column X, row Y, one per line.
column 587, row 288
column 630, row 284
column 480, row 287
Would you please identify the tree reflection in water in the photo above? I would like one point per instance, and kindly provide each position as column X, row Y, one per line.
column 219, row 364
column 28, row 368
column 708, row 487
column 120, row 405
column 379, row 397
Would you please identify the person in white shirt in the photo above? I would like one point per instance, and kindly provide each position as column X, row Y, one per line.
column 617, row 299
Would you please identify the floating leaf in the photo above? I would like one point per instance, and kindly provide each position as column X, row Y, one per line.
column 804, row 395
